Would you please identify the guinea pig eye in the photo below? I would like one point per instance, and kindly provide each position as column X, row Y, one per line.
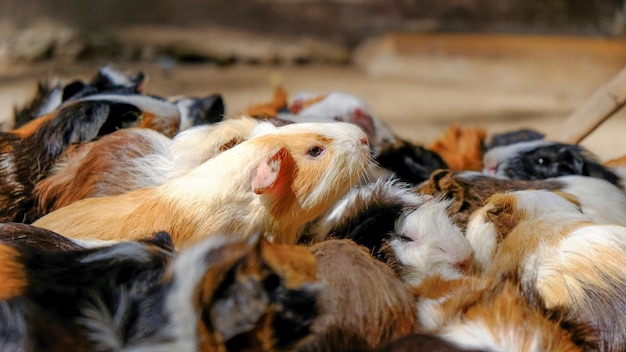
column 405, row 239
column 542, row 161
column 315, row 151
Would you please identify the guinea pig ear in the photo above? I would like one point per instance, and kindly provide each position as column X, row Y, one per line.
column 502, row 213
column 573, row 159
column 268, row 173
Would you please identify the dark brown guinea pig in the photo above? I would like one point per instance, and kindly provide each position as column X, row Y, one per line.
column 409, row 162
column 363, row 303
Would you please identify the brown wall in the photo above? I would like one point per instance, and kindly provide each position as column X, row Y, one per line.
column 342, row 21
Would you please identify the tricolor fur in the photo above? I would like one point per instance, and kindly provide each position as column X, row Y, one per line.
column 600, row 199
column 276, row 181
column 571, row 264
column 220, row 295
column 475, row 313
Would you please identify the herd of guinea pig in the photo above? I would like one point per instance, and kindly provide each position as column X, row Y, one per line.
column 133, row 222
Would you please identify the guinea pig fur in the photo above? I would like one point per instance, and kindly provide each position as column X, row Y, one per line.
column 220, row 295
column 339, row 106
column 134, row 158
column 482, row 314
column 461, row 148
column 537, row 160
column 600, row 199
column 408, row 162
column 50, row 96
column 200, row 111
column 571, row 264
column 277, row 181
column 45, row 291
column 34, row 236
column 411, row 233
column 362, row 302
column 28, row 159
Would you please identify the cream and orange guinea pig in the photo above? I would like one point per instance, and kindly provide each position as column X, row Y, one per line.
column 564, row 261
column 275, row 183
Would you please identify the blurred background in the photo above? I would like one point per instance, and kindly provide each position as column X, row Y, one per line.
column 421, row 65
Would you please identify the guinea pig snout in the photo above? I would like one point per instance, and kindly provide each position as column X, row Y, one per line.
column 364, row 141
column 465, row 264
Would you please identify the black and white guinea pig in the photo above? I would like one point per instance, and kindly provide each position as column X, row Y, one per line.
column 511, row 137
column 50, row 95
column 410, row 232
column 536, row 160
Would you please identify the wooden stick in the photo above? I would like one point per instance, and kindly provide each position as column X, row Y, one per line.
column 605, row 102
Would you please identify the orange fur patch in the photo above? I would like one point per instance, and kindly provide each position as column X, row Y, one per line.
column 30, row 127
column 461, row 148
column 271, row 108
column 13, row 279
column 168, row 126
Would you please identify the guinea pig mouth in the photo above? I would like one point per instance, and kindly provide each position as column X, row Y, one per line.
column 490, row 169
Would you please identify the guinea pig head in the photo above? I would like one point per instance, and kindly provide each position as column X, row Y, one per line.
column 251, row 296
column 426, row 242
column 309, row 166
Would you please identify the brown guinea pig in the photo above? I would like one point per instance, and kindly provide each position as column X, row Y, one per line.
column 275, row 182
column 362, row 302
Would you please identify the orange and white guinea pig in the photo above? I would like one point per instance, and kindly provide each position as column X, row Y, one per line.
column 275, row 183
column 564, row 261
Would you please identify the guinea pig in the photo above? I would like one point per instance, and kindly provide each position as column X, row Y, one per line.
column 50, row 96
column 28, row 159
column 461, row 148
column 537, row 160
column 275, row 182
column 408, row 162
column 339, row 106
column 46, row 292
column 362, row 302
column 200, row 111
column 225, row 294
column 602, row 200
column 134, row 158
column 563, row 260
column 491, row 315
column 411, row 233
column 222, row 294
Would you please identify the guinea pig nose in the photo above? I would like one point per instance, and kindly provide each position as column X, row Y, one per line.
column 364, row 141
column 464, row 265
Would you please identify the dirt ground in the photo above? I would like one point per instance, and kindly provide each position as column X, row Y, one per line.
column 418, row 95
